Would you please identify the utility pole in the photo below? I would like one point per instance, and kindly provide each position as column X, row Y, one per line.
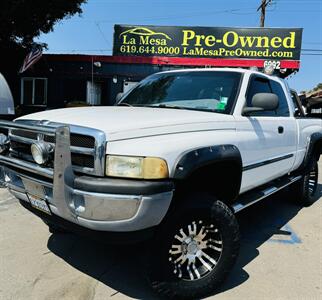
column 262, row 7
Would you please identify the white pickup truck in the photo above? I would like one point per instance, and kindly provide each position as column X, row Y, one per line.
column 172, row 162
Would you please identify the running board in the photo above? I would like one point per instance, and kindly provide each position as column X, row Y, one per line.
column 250, row 198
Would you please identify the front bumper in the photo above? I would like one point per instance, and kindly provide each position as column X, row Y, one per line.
column 101, row 204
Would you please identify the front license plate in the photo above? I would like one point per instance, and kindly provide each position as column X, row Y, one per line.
column 34, row 188
column 39, row 204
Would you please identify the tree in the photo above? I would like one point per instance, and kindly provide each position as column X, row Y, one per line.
column 20, row 22
column 316, row 88
column 23, row 20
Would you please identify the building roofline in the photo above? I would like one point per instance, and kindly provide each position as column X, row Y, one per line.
column 180, row 61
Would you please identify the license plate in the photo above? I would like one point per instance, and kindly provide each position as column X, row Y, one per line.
column 39, row 204
column 34, row 188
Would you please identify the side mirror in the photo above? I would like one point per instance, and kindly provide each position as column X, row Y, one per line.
column 118, row 97
column 262, row 102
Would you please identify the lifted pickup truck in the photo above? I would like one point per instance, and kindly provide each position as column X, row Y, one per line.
column 173, row 161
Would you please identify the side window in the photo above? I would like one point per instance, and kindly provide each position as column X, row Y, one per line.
column 299, row 112
column 259, row 85
column 283, row 109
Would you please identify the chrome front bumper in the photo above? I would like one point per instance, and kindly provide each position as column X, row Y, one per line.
column 93, row 210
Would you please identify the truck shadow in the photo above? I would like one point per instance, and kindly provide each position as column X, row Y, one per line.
column 121, row 267
column 266, row 221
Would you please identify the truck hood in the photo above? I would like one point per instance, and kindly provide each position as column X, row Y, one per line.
column 120, row 123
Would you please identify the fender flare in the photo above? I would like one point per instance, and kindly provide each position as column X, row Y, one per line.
column 198, row 158
column 314, row 148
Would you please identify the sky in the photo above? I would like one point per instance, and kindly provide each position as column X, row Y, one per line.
column 92, row 32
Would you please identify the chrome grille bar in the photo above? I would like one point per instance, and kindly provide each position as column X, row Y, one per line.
column 49, row 129
column 74, row 149
column 40, row 129
column 27, row 166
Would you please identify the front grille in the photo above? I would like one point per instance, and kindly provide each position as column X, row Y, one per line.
column 20, row 148
column 82, row 160
column 76, row 140
column 23, row 133
column 4, row 131
column 21, row 140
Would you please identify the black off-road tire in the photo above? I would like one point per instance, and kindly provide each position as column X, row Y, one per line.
column 198, row 208
column 304, row 190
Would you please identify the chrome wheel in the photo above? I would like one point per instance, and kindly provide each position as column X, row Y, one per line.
column 195, row 250
column 313, row 180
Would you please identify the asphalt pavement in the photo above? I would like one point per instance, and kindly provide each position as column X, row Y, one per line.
column 280, row 258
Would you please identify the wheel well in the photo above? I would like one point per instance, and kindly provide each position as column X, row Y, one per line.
column 313, row 153
column 221, row 179
column 318, row 149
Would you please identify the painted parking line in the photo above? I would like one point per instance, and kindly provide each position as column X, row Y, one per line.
column 286, row 235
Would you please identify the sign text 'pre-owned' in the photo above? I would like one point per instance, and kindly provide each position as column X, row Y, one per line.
column 210, row 42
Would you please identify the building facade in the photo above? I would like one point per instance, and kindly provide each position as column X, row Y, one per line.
column 70, row 80
column 64, row 80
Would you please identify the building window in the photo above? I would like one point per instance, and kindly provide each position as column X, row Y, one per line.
column 33, row 91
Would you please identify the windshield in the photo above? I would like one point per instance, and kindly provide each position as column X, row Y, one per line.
column 203, row 90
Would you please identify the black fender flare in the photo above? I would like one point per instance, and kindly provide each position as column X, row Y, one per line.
column 198, row 158
column 314, row 149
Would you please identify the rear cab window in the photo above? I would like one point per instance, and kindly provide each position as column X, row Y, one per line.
column 299, row 112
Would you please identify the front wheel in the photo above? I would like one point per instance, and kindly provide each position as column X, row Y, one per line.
column 195, row 249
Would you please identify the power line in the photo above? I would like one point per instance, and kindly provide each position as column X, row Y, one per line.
column 319, row 50
column 312, row 43
column 181, row 16
column 312, row 54
column 102, row 34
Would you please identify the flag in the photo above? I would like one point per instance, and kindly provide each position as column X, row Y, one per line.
column 34, row 55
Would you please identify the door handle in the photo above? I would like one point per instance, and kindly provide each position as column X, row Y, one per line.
column 280, row 129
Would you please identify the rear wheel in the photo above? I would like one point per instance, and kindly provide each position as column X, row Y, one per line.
column 194, row 249
column 305, row 189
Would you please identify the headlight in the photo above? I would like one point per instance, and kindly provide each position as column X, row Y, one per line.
column 136, row 167
column 40, row 152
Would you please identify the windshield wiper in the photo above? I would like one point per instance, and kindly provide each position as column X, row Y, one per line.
column 124, row 104
column 167, row 106
column 170, row 107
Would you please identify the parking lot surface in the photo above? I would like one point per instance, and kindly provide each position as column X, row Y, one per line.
column 281, row 257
